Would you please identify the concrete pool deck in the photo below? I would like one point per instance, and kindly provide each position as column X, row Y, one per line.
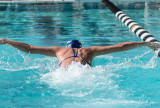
column 70, row 1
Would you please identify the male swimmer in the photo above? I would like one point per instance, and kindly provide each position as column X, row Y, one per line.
column 74, row 50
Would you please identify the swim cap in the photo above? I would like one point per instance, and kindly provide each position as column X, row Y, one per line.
column 74, row 44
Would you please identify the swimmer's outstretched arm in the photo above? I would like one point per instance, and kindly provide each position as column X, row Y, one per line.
column 97, row 50
column 49, row 51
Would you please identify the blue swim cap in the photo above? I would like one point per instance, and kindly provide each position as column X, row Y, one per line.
column 74, row 44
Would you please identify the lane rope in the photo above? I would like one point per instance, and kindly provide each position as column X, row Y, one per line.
column 132, row 25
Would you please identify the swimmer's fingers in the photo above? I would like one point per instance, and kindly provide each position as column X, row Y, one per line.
column 154, row 45
column 2, row 41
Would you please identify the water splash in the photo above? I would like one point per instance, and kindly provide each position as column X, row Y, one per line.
column 80, row 80
column 14, row 60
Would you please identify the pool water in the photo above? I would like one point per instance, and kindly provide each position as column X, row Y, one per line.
column 128, row 79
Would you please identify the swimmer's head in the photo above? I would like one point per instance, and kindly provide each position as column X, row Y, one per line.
column 74, row 44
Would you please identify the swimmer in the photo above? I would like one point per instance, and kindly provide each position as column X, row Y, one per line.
column 74, row 50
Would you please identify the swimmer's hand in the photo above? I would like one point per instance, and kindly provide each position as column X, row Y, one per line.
column 3, row 41
column 154, row 45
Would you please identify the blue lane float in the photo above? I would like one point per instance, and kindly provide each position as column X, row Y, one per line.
column 133, row 26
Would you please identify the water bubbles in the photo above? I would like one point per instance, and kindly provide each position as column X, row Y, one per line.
column 80, row 80
column 109, row 83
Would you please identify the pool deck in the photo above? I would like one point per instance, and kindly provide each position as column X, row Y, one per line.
column 70, row 1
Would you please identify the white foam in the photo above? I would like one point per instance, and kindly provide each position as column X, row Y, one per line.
column 110, row 103
column 80, row 80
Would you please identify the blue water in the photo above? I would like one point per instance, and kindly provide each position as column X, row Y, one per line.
column 127, row 79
